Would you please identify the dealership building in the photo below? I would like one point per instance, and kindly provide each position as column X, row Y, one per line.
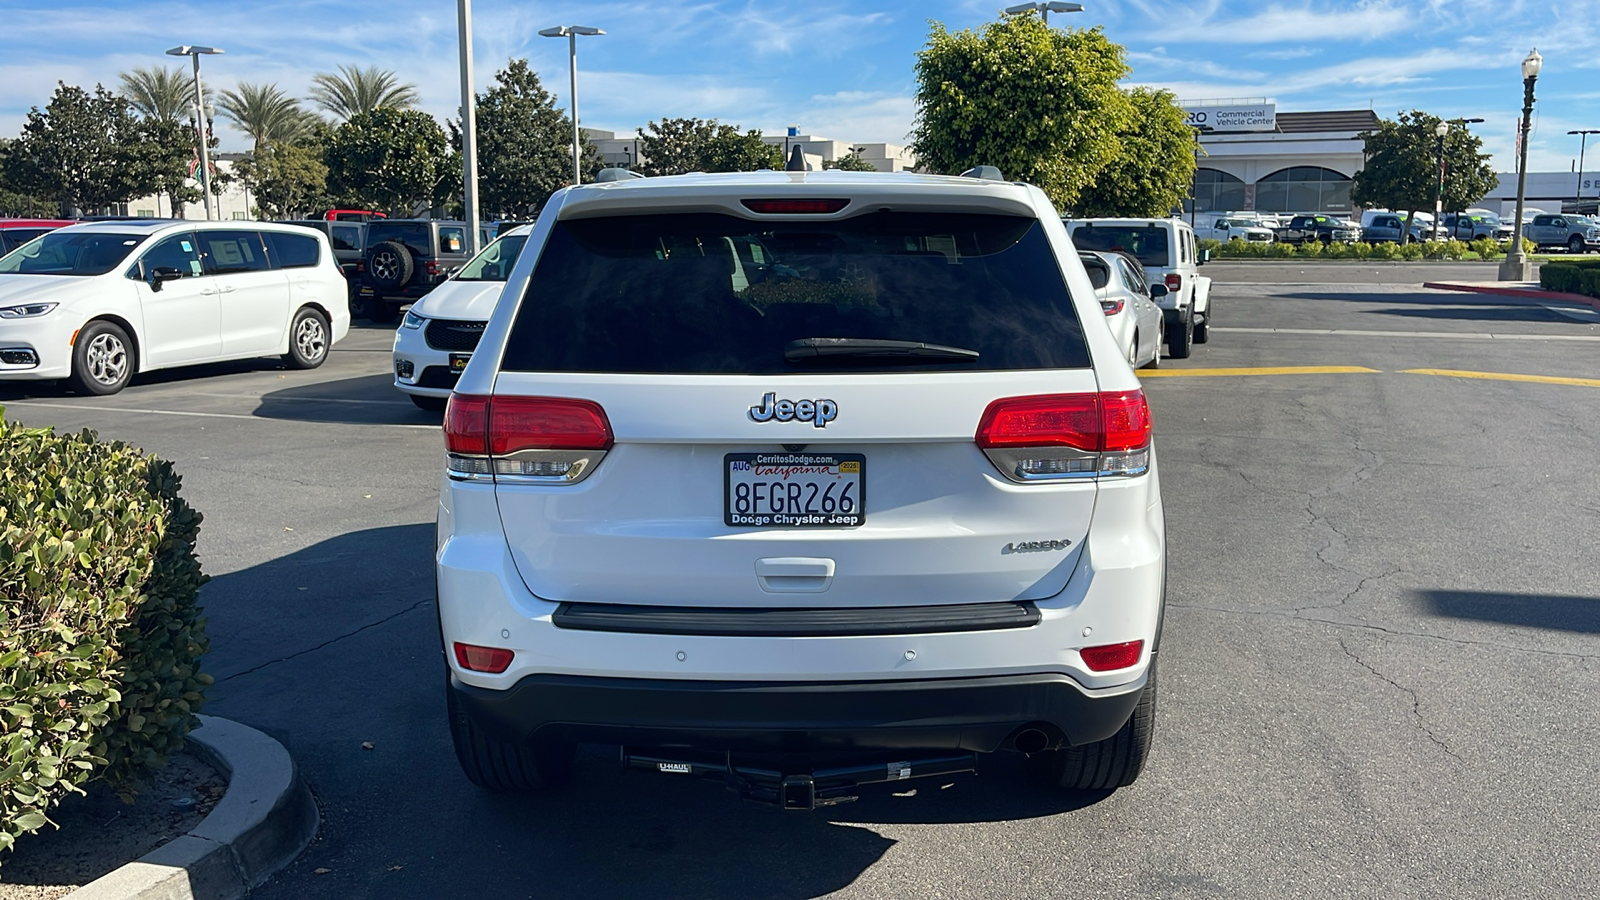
column 1253, row 157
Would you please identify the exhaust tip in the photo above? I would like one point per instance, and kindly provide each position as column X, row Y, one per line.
column 1031, row 741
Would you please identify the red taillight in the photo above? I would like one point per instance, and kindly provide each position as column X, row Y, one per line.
column 546, row 423
column 473, row 658
column 792, row 207
column 1126, row 418
column 1049, row 420
column 360, row 266
column 1112, row 307
column 432, row 267
column 1174, row 281
column 1104, row 658
column 466, row 425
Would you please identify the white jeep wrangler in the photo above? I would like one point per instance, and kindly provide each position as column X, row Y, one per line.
column 1170, row 255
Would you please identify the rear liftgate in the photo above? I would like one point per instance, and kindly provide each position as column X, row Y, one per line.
column 795, row 790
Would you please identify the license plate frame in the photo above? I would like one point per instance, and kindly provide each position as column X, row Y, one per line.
column 850, row 468
column 458, row 362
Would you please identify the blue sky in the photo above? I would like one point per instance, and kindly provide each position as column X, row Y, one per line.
column 844, row 69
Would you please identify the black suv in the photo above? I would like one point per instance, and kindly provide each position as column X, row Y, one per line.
column 405, row 259
column 349, row 240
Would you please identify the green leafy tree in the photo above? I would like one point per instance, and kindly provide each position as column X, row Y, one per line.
column 850, row 162
column 676, row 146
column 162, row 154
column 1151, row 173
column 287, row 180
column 1401, row 172
column 160, row 92
column 524, row 145
column 83, row 151
column 15, row 203
column 392, row 160
column 266, row 113
column 355, row 90
column 1040, row 103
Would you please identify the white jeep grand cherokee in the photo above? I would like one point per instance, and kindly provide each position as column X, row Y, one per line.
column 800, row 481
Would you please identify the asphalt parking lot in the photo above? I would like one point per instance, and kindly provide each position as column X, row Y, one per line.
column 1379, row 667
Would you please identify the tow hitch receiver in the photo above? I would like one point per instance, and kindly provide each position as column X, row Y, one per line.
column 770, row 781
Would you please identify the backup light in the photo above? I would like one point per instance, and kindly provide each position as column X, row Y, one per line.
column 473, row 658
column 795, row 207
column 1104, row 658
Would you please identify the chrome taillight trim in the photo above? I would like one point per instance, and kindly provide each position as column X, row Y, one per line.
column 1119, row 464
column 505, row 469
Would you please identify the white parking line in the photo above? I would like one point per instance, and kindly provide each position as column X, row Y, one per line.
column 1456, row 335
column 76, row 407
column 1582, row 315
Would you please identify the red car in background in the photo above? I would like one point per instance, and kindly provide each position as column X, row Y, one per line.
column 16, row 232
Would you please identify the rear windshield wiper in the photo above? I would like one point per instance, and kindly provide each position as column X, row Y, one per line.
column 876, row 349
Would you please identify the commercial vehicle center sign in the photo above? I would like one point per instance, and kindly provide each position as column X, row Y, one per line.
column 1249, row 117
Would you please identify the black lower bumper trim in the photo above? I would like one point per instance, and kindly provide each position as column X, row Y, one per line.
column 977, row 714
column 747, row 622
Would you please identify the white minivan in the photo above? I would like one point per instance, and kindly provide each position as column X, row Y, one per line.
column 98, row 302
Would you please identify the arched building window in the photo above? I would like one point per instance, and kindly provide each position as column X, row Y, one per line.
column 1216, row 191
column 1303, row 189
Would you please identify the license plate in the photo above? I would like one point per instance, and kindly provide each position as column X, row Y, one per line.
column 458, row 361
column 794, row 490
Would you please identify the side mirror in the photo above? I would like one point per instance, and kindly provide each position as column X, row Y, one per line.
column 160, row 275
column 1205, row 256
column 1157, row 291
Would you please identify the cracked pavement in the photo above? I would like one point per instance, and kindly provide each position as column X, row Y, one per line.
column 1378, row 673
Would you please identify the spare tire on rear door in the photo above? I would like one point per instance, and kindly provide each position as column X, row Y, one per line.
column 389, row 266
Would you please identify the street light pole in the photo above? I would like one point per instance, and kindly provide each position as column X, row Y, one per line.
column 1045, row 9
column 201, row 132
column 1582, row 140
column 571, row 32
column 1439, row 131
column 469, row 129
column 1516, row 267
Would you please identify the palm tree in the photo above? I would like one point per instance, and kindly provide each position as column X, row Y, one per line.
column 355, row 90
column 160, row 92
column 265, row 113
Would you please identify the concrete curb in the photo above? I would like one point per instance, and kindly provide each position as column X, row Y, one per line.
column 261, row 824
column 1531, row 293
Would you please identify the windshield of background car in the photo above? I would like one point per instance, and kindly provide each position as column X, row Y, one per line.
column 1147, row 244
column 495, row 262
column 70, row 253
column 710, row 293
column 412, row 234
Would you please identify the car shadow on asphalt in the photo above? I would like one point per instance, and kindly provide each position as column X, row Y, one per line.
column 32, row 390
column 1555, row 612
column 334, row 650
column 1441, row 306
column 364, row 400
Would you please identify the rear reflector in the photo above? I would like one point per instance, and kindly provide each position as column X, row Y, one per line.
column 1104, row 658
column 793, row 207
column 473, row 658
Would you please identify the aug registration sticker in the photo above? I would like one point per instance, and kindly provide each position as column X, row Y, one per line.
column 794, row 490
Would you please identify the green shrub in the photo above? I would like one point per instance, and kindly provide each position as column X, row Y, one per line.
column 1310, row 249
column 1336, row 250
column 1590, row 282
column 1212, row 244
column 1455, row 249
column 1411, row 251
column 100, row 632
column 1361, row 250
column 1280, row 250
column 1528, row 247
column 1562, row 277
column 1386, row 250
column 1486, row 248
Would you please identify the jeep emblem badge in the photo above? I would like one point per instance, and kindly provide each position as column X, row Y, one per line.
column 818, row 412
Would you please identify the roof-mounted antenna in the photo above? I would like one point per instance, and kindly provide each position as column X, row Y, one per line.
column 615, row 174
column 987, row 173
column 797, row 161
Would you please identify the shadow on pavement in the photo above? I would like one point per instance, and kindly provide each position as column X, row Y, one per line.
column 1553, row 611
column 364, row 400
column 336, row 647
column 1441, row 306
column 25, row 390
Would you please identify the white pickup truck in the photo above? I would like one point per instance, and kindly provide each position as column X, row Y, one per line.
column 1171, row 255
column 1226, row 228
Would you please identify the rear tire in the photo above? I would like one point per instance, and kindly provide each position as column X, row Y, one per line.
column 1109, row 764
column 430, row 404
column 309, row 340
column 1180, row 334
column 501, row 766
column 1575, row 244
column 103, row 359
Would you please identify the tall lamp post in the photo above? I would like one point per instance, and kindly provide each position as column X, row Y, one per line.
column 469, row 129
column 1439, row 131
column 1584, row 139
column 1045, row 9
column 1516, row 267
column 571, row 32
column 195, row 53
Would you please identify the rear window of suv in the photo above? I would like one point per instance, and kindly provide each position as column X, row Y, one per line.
column 710, row 293
column 414, row 235
column 1147, row 244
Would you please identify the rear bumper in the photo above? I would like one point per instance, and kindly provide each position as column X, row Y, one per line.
column 970, row 714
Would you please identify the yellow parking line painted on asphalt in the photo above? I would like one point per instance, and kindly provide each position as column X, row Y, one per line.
column 1260, row 370
column 1505, row 376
